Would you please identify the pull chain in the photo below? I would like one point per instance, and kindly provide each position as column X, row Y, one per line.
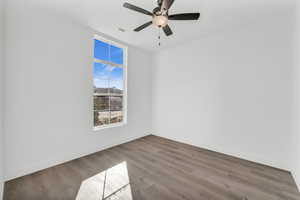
column 159, row 36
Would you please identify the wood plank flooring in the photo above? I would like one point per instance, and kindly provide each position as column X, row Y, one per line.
column 154, row 168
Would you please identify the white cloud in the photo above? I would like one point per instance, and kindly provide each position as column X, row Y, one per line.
column 109, row 68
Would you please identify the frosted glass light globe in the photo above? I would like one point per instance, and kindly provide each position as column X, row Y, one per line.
column 160, row 20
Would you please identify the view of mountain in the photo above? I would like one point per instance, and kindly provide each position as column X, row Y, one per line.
column 112, row 90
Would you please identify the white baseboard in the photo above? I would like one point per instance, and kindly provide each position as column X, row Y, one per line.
column 44, row 164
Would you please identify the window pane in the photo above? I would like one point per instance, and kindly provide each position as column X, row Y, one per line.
column 101, row 50
column 101, row 110
column 116, row 107
column 101, row 86
column 117, row 77
column 101, row 79
column 101, row 118
column 116, row 55
column 116, row 86
column 101, row 103
column 116, row 103
column 116, row 116
column 107, row 52
column 101, row 71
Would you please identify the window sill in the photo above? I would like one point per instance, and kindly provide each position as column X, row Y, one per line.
column 98, row 128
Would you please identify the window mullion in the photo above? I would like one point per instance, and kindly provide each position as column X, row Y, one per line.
column 109, row 100
column 109, row 84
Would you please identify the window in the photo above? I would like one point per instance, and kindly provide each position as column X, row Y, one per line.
column 109, row 78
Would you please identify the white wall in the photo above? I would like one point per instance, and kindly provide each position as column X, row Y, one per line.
column 1, row 93
column 48, row 94
column 295, row 147
column 296, row 162
column 295, row 167
column 231, row 92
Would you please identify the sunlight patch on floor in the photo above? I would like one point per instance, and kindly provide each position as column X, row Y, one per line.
column 110, row 184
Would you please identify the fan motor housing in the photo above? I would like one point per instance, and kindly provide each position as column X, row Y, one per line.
column 156, row 11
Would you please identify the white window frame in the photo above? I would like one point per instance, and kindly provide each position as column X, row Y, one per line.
column 124, row 100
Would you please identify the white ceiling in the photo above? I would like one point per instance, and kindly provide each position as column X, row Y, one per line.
column 107, row 16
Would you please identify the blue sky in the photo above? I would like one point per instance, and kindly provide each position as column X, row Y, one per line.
column 106, row 75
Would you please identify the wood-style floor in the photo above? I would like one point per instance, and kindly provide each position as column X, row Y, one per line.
column 153, row 168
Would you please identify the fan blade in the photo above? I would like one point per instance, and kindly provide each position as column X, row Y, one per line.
column 185, row 16
column 143, row 26
column 166, row 4
column 167, row 30
column 137, row 9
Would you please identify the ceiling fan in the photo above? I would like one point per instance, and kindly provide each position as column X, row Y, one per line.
column 160, row 15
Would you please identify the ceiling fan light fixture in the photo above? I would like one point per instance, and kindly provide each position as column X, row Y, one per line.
column 160, row 16
column 160, row 20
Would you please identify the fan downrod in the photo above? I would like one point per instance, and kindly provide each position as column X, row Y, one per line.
column 159, row 3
